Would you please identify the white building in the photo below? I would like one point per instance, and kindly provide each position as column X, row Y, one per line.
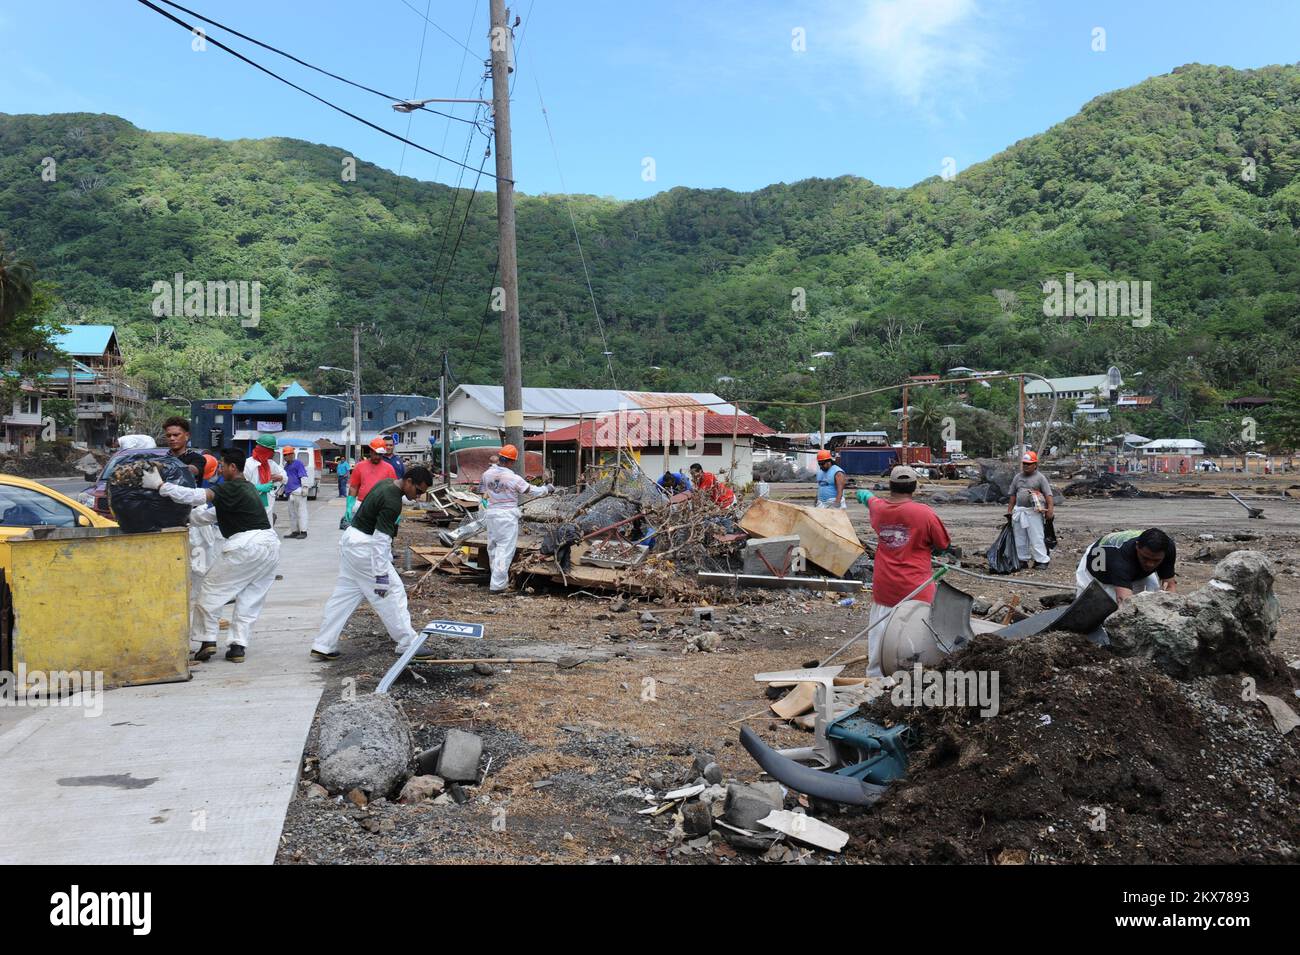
column 22, row 425
column 480, row 409
column 1173, row 446
column 1103, row 388
column 415, row 436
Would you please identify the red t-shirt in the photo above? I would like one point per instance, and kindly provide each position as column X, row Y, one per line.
column 719, row 493
column 906, row 532
column 365, row 475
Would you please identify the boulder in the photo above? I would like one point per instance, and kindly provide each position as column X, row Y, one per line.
column 461, row 752
column 747, row 803
column 1224, row 627
column 364, row 744
column 420, row 788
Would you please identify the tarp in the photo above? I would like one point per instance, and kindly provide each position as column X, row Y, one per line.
column 826, row 534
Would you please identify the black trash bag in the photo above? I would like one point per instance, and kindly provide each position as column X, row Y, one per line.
column 1002, row 555
column 139, row 510
column 1049, row 533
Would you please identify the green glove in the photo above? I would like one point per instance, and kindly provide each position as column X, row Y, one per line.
column 864, row 496
column 264, row 488
column 347, row 512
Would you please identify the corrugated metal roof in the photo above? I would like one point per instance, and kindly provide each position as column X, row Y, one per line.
column 571, row 402
column 1075, row 383
column 642, row 430
column 84, row 339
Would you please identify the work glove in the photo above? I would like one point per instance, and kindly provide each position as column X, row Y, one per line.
column 151, row 479
column 863, row 497
column 381, row 586
column 550, row 489
column 347, row 510
column 264, row 488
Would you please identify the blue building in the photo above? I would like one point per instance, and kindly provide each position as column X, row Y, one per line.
column 296, row 414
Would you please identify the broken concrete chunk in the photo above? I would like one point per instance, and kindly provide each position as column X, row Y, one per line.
column 426, row 762
column 712, row 773
column 697, row 819
column 364, row 744
column 747, row 803
column 458, row 761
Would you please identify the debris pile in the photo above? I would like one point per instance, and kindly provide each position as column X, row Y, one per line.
column 1104, row 484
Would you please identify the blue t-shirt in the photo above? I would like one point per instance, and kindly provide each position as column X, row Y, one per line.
column 398, row 465
column 683, row 482
column 826, row 483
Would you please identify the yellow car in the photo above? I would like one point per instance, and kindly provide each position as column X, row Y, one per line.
column 25, row 504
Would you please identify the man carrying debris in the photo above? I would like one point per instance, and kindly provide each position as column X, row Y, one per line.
column 1128, row 561
column 1030, row 504
column 830, row 482
column 502, row 487
column 367, row 473
column 366, row 566
column 674, row 482
column 250, row 553
column 907, row 534
column 176, row 431
column 709, row 483
column 296, row 473
column 264, row 474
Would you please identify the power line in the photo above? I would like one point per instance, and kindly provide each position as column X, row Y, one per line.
column 436, row 27
column 419, row 65
column 301, row 62
column 319, row 99
column 568, row 207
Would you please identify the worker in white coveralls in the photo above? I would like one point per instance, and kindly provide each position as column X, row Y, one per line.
column 264, row 474
column 366, row 566
column 205, row 539
column 1029, row 505
column 502, row 488
column 250, row 554
column 296, row 490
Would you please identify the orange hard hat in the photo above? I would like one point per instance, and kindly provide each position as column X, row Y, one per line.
column 209, row 467
column 823, row 455
column 1029, row 457
column 289, row 449
column 377, row 444
column 509, row 452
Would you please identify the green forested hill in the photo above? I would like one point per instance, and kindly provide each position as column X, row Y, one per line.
column 1143, row 184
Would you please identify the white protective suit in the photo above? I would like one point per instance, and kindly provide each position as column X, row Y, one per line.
column 298, row 511
column 277, row 476
column 363, row 558
column 502, row 488
column 205, row 551
column 243, row 573
column 1027, row 527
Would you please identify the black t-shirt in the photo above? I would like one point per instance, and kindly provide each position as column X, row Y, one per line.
column 238, row 508
column 1118, row 564
column 194, row 459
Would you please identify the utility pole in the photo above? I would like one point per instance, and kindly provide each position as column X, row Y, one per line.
column 501, row 42
column 442, row 410
column 356, row 393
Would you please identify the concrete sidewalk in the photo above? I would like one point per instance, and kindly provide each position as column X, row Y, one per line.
column 196, row 772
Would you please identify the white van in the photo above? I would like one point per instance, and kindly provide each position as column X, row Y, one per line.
column 312, row 459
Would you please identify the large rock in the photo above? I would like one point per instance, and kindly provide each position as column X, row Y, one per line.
column 1224, row 627
column 364, row 744
column 749, row 802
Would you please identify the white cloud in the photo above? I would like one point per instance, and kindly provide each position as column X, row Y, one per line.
column 924, row 50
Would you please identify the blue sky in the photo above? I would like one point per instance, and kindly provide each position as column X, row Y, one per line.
column 714, row 92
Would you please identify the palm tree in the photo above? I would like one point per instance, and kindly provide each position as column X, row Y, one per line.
column 16, row 279
column 926, row 414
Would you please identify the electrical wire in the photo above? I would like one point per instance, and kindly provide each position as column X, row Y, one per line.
column 568, row 207
column 419, row 65
column 301, row 62
column 436, row 27
column 269, row 72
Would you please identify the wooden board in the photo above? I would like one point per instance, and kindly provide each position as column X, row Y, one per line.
column 826, row 534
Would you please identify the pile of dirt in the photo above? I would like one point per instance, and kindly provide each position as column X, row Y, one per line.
column 1089, row 758
column 47, row 459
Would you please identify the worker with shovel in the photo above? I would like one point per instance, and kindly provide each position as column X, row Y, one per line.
column 1029, row 509
column 366, row 566
column 907, row 534
column 250, row 553
column 502, row 488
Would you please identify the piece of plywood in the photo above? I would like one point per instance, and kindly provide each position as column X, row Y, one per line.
column 826, row 534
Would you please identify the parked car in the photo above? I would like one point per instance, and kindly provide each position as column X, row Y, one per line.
column 95, row 497
column 25, row 504
column 1207, row 466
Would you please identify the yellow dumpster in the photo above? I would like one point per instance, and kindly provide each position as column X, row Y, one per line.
column 100, row 600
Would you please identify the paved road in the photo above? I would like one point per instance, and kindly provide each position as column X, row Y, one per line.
column 70, row 487
column 196, row 772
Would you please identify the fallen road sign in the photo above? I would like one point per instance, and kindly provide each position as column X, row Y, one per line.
column 454, row 628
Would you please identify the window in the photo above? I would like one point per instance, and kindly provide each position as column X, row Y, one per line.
column 315, row 416
column 31, row 404
column 713, row 449
column 218, row 419
column 22, row 507
column 401, row 416
column 370, row 416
